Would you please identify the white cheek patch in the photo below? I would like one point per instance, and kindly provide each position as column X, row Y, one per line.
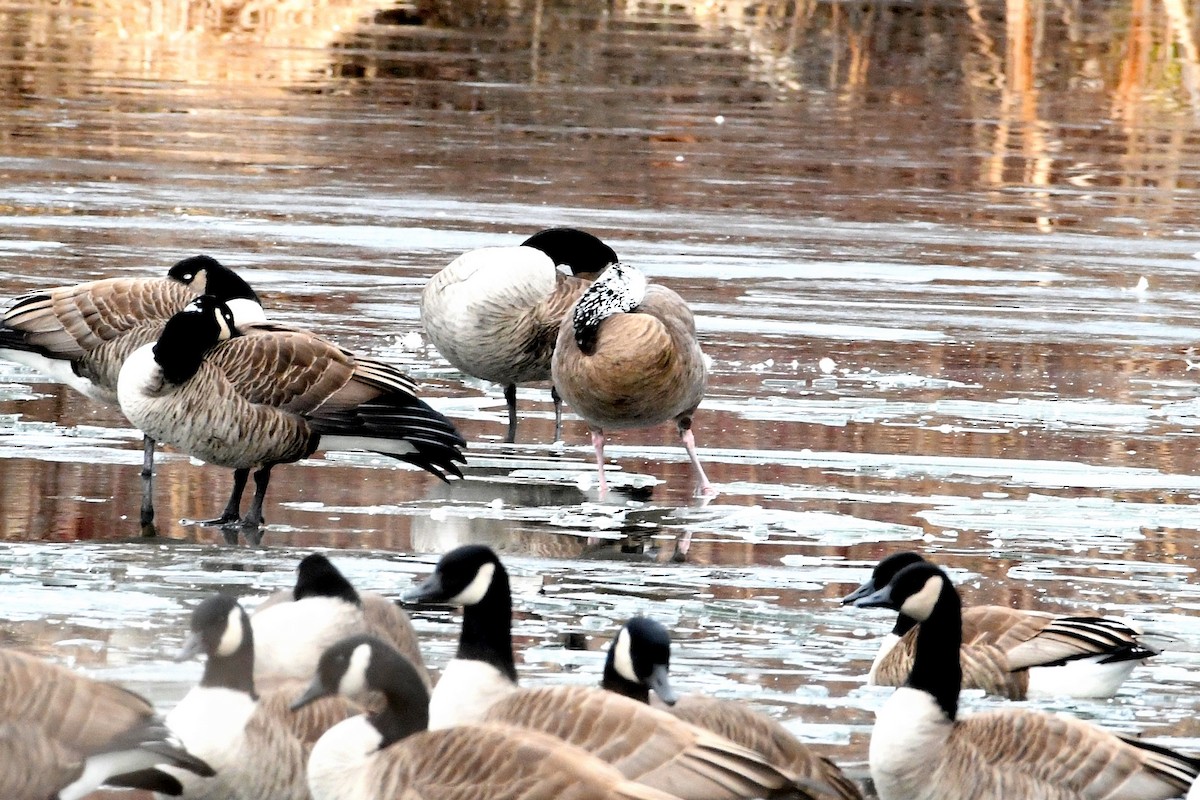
column 920, row 605
column 231, row 640
column 476, row 589
column 354, row 680
column 623, row 659
column 198, row 282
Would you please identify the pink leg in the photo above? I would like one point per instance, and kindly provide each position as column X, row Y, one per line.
column 703, row 487
column 598, row 443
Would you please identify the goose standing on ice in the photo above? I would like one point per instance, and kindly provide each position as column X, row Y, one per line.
column 81, row 335
column 251, row 398
column 494, row 312
column 627, row 357
column 1012, row 652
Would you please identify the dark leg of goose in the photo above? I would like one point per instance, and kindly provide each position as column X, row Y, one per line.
column 233, row 509
column 254, row 517
column 510, row 398
column 147, row 513
column 557, row 413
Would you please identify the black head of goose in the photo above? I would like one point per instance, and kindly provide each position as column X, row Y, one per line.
column 922, row 749
column 494, row 312
column 638, row 663
column 293, row 628
column 647, row 745
column 249, row 399
column 391, row 753
column 63, row 734
column 1013, row 652
column 81, row 335
column 627, row 357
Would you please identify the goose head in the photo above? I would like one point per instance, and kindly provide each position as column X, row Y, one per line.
column 316, row 576
column 359, row 664
column 619, row 290
column 883, row 573
column 465, row 576
column 639, row 661
column 220, row 629
column 206, row 275
column 914, row 591
column 580, row 251
column 190, row 334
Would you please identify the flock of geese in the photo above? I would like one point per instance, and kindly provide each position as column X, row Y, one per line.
column 322, row 693
column 193, row 361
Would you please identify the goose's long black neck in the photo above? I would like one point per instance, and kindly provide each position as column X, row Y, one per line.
column 234, row 671
column 614, row 681
column 487, row 628
column 903, row 625
column 937, row 668
column 406, row 710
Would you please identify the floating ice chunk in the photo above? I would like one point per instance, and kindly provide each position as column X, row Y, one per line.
column 827, row 365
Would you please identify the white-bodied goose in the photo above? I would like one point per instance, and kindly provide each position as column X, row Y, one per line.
column 62, row 734
column 922, row 750
column 639, row 661
column 627, row 357
column 256, row 754
column 1016, row 653
column 293, row 628
column 494, row 312
column 391, row 754
column 250, row 398
column 81, row 335
column 647, row 745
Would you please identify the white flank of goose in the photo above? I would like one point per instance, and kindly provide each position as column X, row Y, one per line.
column 627, row 357
column 922, row 750
column 251, row 398
column 494, row 313
column 81, row 335
column 1016, row 653
column 293, row 628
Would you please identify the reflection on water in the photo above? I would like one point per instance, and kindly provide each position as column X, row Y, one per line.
column 942, row 256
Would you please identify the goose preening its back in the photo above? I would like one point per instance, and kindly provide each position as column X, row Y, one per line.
column 392, row 754
column 627, row 357
column 479, row 685
column 292, row 629
column 639, row 661
column 922, row 750
column 63, row 735
column 251, row 397
column 1013, row 652
column 494, row 313
column 81, row 335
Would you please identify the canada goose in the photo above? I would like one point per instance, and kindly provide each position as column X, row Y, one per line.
column 391, row 754
column 63, row 735
column 1013, row 652
column 251, row 398
column 647, row 745
column 627, row 357
column 921, row 750
column 639, row 661
column 292, row 629
column 255, row 753
column 81, row 335
column 494, row 312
